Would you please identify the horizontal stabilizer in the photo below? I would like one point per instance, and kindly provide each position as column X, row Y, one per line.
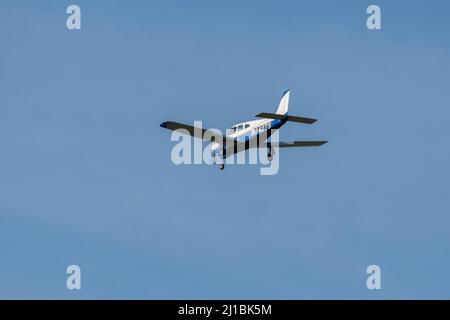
column 270, row 115
column 301, row 119
column 289, row 118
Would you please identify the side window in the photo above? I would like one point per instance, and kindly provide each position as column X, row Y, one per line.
column 240, row 127
column 246, row 126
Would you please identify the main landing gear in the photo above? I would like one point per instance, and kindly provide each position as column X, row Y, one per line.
column 221, row 166
column 270, row 153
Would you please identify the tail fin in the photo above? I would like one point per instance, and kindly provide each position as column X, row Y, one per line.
column 284, row 103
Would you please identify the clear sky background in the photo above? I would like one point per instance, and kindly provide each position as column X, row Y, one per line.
column 85, row 170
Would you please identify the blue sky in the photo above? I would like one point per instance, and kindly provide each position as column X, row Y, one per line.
column 85, row 170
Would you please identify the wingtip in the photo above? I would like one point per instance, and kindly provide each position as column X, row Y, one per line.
column 286, row 92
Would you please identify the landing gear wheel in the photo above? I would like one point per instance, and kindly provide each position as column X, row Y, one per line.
column 270, row 152
column 221, row 166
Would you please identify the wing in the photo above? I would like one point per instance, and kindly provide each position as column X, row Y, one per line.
column 212, row 135
column 298, row 144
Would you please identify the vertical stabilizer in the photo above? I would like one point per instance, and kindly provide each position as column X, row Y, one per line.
column 284, row 103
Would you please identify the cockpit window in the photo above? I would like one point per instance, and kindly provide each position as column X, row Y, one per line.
column 237, row 128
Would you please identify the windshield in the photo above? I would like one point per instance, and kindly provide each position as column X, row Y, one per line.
column 237, row 128
column 231, row 130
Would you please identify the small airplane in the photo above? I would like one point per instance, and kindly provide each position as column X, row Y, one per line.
column 249, row 134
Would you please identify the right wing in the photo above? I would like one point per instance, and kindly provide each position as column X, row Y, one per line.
column 213, row 135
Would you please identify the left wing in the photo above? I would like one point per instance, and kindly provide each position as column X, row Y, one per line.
column 297, row 144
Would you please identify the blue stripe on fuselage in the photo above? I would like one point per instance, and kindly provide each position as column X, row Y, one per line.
column 274, row 125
